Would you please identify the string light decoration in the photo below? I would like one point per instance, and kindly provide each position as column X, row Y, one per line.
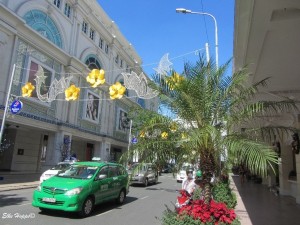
column 132, row 81
column 72, row 93
column 164, row 65
column 96, row 77
column 139, row 84
column 55, row 88
column 27, row 89
column 116, row 91
column 142, row 134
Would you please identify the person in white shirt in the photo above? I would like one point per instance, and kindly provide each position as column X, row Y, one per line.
column 188, row 183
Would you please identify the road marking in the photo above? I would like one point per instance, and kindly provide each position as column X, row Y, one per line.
column 144, row 197
column 105, row 213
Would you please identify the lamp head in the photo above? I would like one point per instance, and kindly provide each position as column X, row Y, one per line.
column 183, row 10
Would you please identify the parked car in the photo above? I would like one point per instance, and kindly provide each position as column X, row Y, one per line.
column 60, row 167
column 82, row 186
column 143, row 173
column 181, row 174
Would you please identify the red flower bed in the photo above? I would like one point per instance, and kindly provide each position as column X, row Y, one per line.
column 216, row 212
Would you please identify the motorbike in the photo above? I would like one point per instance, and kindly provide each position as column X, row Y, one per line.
column 183, row 200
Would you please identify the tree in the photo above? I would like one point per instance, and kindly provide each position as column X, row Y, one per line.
column 219, row 114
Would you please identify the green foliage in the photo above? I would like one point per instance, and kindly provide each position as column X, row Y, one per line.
column 172, row 218
column 198, row 193
column 222, row 193
column 219, row 115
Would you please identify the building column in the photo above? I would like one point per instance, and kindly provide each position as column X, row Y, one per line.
column 284, row 169
column 105, row 151
column 98, row 150
column 61, row 147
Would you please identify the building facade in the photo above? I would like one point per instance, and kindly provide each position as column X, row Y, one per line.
column 67, row 39
column 266, row 40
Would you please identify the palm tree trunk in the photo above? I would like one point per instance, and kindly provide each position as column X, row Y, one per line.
column 207, row 164
column 207, row 193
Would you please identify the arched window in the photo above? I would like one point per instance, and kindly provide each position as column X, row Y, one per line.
column 43, row 24
column 141, row 102
column 92, row 62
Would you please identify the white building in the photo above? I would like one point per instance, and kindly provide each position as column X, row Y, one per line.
column 66, row 38
column 267, row 40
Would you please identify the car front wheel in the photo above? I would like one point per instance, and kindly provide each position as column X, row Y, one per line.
column 121, row 197
column 87, row 207
column 146, row 182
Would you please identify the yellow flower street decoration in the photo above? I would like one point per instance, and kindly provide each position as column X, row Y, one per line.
column 96, row 77
column 164, row 135
column 72, row 93
column 174, row 80
column 27, row 89
column 116, row 90
column 173, row 127
column 142, row 134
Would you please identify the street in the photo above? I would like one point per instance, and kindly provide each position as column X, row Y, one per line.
column 143, row 206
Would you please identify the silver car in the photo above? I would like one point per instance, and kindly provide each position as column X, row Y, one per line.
column 143, row 173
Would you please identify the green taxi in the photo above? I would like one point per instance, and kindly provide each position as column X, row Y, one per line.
column 82, row 186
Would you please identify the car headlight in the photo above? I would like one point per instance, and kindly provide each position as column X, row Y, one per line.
column 74, row 191
column 141, row 175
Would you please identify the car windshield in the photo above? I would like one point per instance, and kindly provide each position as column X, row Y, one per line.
column 61, row 167
column 139, row 167
column 79, row 172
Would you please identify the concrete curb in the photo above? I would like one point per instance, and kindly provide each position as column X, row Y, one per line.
column 17, row 186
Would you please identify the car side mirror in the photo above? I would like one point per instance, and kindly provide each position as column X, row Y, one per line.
column 102, row 176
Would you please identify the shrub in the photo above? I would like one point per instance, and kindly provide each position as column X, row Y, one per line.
column 222, row 193
column 218, row 211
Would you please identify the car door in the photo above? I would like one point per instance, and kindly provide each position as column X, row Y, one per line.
column 151, row 173
column 116, row 180
column 102, row 183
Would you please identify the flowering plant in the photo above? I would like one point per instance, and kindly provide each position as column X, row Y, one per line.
column 215, row 212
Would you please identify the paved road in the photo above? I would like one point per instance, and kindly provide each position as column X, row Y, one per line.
column 143, row 206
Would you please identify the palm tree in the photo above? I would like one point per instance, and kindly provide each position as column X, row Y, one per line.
column 221, row 115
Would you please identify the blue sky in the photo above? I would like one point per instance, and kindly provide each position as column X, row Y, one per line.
column 154, row 29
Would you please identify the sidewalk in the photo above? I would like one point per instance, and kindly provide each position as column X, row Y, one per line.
column 257, row 205
column 16, row 180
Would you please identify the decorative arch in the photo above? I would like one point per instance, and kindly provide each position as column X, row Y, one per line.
column 93, row 62
column 43, row 24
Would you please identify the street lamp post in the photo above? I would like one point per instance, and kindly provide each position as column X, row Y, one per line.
column 6, row 103
column 182, row 10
